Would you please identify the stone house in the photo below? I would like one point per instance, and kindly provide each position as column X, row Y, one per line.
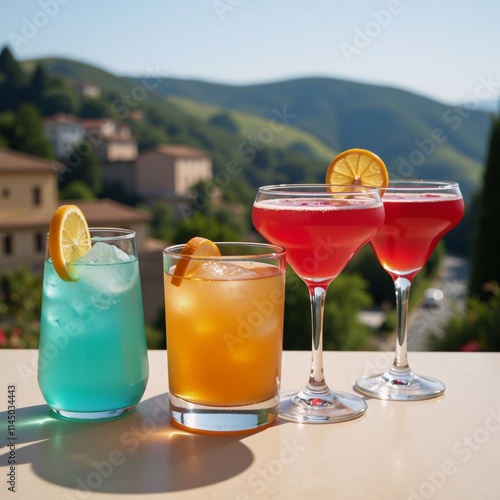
column 167, row 172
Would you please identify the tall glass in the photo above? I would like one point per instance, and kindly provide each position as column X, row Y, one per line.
column 417, row 214
column 224, row 321
column 92, row 356
column 321, row 230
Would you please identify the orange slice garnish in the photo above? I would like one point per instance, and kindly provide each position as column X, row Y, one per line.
column 195, row 247
column 69, row 239
column 357, row 167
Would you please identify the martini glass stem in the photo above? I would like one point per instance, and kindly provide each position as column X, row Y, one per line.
column 402, row 287
column 317, row 386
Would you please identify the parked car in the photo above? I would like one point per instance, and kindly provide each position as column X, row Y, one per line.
column 432, row 298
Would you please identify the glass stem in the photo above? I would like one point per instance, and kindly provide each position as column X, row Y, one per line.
column 402, row 287
column 317, row 385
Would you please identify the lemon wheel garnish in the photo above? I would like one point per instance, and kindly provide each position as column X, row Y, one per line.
column 195, row 247
column 69, row 239
column 357, row 167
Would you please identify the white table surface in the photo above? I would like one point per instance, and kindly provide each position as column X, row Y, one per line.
column 444, row 448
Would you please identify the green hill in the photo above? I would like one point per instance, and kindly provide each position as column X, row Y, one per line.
column 417, row 137
column 250, row 125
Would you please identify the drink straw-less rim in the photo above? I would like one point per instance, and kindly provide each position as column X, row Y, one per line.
column 274, row 251
column 317, row 189
column 420, row 185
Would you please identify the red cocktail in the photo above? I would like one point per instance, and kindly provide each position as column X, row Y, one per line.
column 417, row 215
column 414, row 225
column 320, row 235
column 321, row 231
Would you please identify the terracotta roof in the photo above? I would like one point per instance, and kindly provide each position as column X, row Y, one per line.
column 178, row 151
column 104, row 212
column 90, row 123
column 99, row 213
column 27, row 219
column 15, row 161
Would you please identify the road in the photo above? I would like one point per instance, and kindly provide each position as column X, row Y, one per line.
column 452, row 280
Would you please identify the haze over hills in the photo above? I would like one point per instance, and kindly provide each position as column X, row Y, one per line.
column 416, row 136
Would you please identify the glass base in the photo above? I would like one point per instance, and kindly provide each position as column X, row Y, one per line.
column 224, row 418
column 333, row 407
column 92, row 415
column 404, row 386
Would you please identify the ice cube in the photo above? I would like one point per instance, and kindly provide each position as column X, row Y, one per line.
column 223, row 271
column 102, row 253
column 97, row 269
column 264, row 271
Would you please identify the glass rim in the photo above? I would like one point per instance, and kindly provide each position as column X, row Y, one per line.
column 121, row 233
column 419, row 185
column 313, row 189
column 124, row 234
column 275, row 251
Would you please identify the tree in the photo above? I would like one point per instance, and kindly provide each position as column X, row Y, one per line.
column 23, row 131
column 224, row 122
column 12, row 81
column 162, row 225
column 346, row 297
column 59, row 100
column 38, row 84
column 20, row 304
column 29, row 133
column 95, row 108
column 208, row 227
column 77, row 190
column 82, row 165
column 475, row 330
column 486, row 244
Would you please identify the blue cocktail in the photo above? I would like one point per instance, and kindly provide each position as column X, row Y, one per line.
column 93, row 354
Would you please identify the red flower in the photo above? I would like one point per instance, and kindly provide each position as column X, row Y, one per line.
column 471, row 346
column 3, row 339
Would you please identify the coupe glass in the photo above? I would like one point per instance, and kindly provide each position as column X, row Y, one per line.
column 321, row 227
column 417, row 214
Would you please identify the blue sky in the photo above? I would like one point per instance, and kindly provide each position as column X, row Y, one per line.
column 442, row 49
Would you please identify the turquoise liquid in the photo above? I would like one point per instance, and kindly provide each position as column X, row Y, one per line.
column 93, row 354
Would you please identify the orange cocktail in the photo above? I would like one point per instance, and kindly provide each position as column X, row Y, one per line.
column 224, row 322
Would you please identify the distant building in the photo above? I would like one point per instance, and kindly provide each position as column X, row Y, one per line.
column 111, row 141
column 86, row 88
column 168, row 172
column 65, row 133
column 29, row 197
column 136, row 114
column 164, row 173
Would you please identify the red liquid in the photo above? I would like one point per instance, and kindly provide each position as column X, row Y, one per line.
column 320, row 236
column 414, row 224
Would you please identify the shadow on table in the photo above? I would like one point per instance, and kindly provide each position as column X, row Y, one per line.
column 139, row 453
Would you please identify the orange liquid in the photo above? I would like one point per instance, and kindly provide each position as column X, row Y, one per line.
column 224, row 339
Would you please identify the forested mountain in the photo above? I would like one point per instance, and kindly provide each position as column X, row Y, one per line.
column 417, row 137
